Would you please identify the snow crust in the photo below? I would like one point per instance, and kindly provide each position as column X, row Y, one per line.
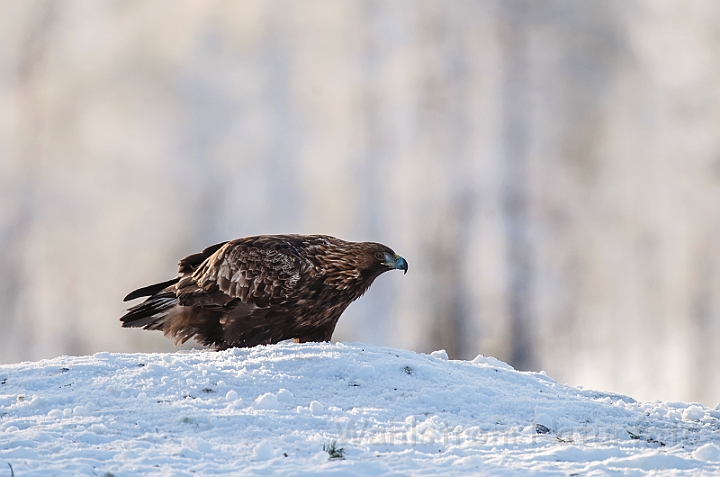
column 270, row 410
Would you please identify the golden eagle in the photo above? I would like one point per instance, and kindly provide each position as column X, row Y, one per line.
column 261, row 290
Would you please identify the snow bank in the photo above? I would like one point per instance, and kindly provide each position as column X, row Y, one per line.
column 271, row 411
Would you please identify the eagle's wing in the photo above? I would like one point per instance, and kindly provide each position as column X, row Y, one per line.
column 190, row 263
column 257, row 273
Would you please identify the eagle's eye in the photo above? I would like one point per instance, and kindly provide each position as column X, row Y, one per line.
column 380, row 256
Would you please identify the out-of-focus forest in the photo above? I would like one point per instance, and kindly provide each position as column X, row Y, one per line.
column 550, row 170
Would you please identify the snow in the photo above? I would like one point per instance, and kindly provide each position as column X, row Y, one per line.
column 271, row 410
column 708, row 452
column 267, row 401
column 440, row 354
column 693, row 413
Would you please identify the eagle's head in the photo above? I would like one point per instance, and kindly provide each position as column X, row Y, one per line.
column 378, row 258
column 354, row 265
column 391, row 260
column 365, row 262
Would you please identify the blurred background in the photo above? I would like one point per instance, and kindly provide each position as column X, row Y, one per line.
column 550, row 170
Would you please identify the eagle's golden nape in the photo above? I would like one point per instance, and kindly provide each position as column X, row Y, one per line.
column 262, row 290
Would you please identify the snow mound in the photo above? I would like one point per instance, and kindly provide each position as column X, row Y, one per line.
column 332, row 409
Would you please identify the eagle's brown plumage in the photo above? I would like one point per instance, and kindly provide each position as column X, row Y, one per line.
column 261, row 290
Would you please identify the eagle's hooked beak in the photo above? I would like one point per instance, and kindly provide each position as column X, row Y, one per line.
column 396, row 262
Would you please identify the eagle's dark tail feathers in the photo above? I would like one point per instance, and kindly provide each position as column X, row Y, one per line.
column 151, row 313
column 150, row 290
column 161, row 311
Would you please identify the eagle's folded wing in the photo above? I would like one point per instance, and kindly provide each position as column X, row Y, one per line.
column 253, row 273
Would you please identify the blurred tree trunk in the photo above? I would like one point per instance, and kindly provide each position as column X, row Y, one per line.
column 19, row 187
column 515, row 138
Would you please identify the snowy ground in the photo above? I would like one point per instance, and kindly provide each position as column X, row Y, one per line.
column 270, row 410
